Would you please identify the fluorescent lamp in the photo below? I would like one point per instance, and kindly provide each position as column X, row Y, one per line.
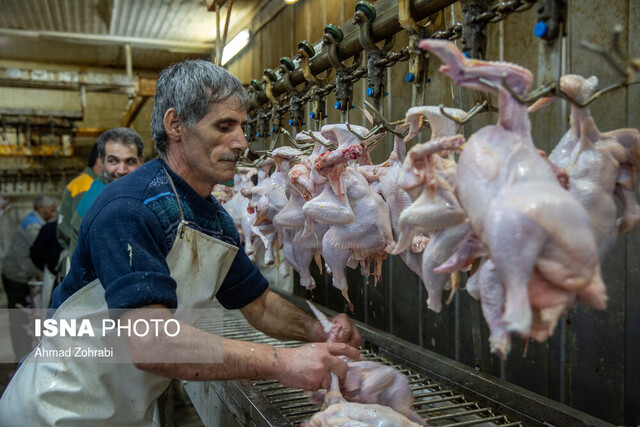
column 290, row 1
column 236, row 45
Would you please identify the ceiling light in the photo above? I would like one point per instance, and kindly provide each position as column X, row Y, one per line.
column 290, row 1
column 236, row 45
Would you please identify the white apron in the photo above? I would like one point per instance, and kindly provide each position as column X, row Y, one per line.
column 48, row 279
column 93, row 394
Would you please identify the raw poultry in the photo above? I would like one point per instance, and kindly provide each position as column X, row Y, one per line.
column 397, row 199
column 367, row 383
column 503, row 203
column 360, row 228
column 237, row 205
column 268, row 198
column 339, row 412
column 535, row 232
column 599, row 166
column 436, row 209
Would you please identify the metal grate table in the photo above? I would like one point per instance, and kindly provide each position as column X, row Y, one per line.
column 448, row 393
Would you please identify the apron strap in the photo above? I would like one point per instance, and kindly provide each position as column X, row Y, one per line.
column 175, row 193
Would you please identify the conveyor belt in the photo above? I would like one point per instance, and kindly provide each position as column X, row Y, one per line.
column 443, row 406
column 454, row 396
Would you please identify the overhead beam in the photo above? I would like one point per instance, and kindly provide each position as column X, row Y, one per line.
column 146, row 86
column 109, row 40
column 39, row 113
column 74, row 80
column 66, row 80
column 14, row 150
column 135, row 106
column 91, row 131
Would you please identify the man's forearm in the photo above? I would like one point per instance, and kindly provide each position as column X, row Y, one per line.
column 194, row 354
column 278, row 318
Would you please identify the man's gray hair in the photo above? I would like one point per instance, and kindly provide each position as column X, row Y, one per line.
column 44, row 201
column 191, row 88
column 125, row 136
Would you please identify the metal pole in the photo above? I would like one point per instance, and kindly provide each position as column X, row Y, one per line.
column 218, row 37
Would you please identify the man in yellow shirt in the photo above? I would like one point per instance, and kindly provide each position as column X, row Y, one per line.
column 71, row 198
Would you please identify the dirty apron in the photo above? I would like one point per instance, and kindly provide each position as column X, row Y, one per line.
column 93, row 393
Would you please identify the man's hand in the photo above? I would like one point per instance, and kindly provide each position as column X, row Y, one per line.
column 309, row 367
column 348, row 333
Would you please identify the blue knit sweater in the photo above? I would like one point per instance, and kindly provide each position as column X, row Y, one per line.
column 140, row 210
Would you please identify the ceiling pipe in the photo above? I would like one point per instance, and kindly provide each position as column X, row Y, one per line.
column 109, row 40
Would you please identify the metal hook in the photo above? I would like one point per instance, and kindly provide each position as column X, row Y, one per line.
column 561, row 94
column 536, row 94
column 475, row 110
column 327, row 144
column 633, row 65
column 305, row 52
column 293, row 141
column 270, row 77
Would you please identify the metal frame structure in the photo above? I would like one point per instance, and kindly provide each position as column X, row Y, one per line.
column 449, row 393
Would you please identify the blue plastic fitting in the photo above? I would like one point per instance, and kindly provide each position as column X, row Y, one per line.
column 337, row 105
column 312, row 115
column 290, row 122
column 409, row 77
column 540, row 29
column 369, row 91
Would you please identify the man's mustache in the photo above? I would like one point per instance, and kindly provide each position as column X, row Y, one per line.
column 230, row 157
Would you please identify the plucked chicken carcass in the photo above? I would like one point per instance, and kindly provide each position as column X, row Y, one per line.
column 359, row 218
column 535, row 232
column 598, row 166
column 289, row 223
column 436, row 207
column 340, row 412
column 426, row 168
column 249, row 216
column 268, row 198
column 310, row 183
column 237, row 205
column 368, row 382
column 398, row 200
column 222, row 193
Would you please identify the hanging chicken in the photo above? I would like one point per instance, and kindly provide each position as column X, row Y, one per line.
column 598, row 166
column 535, row 232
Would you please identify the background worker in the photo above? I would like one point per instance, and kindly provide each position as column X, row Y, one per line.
column 17, row 268
column 120, row 150
column 71, row 196
column 45, row 254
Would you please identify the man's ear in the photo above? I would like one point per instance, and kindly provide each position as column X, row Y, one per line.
column 172, row 125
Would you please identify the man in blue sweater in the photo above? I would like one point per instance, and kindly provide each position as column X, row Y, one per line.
column 156, row 238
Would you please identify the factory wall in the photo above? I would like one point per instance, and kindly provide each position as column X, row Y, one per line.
column 590, row 363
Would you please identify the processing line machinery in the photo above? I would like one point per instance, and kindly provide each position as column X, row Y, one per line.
column 449, row 393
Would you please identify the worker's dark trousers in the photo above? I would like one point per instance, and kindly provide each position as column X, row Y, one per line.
column 18, row 320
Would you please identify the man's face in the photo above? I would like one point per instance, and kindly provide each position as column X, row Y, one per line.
column 120, row 159
column 48, row 212
column 213, row 146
